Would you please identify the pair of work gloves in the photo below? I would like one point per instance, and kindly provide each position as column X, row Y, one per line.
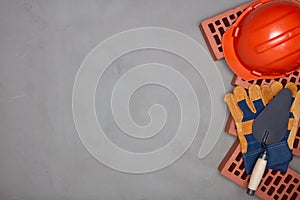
column 245, row 106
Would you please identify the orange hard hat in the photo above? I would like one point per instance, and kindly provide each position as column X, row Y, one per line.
column 264, row 42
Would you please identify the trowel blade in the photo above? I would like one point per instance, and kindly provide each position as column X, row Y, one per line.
column 274, row 118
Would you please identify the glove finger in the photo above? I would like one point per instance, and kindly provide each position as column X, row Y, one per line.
column 292, row 87
column 276, row 87
column 234, row 109
column 267, row 94
column 237, row 115
column 255, row 96
column 295, row 109
column 243, row 100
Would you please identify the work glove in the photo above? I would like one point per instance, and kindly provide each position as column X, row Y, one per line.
column 245, row 108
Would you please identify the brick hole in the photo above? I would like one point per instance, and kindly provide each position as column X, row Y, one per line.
column 277, row 180
column 282, row 173
column 263, row 188
column 293, row 79
column 288, row 178
column 232, row 17
column 276, row 196
column 285, row 197
column 244, row 175
column 298, row 188
column 220, row 49
column 259, row 81
column 268, row 80
column 298, row 132
column 239, row 13
column 217, row 39
column 273, row 172
column 284, row 82
column 251, row 82
column 290, row 188
column 280, row 189
column 211, row 28
column 232, row 166
column 296, row 143
column 217, row 22
column 268, row 180
column 265, row 173
column 239, row 156
column 296, row 73
column 237, row 173
column 294, row 196
column 295, row 180
column 271, row 190
column 241, row 167
column 298, row 86
column 226, row 22
column 221, row 30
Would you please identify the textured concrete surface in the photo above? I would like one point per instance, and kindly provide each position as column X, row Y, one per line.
column 42, row 44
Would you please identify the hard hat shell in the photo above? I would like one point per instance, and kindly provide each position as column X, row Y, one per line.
column 264, row 42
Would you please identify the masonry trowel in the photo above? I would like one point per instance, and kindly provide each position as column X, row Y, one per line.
column 269, row 127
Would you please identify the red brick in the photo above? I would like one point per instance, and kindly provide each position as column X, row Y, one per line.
column 213, row 28
column 274, row 185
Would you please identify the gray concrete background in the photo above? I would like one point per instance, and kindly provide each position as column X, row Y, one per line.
column 42, row 44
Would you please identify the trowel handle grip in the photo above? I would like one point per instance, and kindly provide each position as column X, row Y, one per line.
column 257, row 175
